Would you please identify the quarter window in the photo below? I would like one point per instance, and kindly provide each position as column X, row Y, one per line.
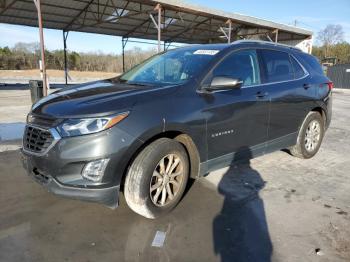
column 298, row 70
column 278, row 66
column 313, row 64
column 242, row 65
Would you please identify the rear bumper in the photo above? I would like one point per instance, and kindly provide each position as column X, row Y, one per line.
column 329, row 103
column 107, row 196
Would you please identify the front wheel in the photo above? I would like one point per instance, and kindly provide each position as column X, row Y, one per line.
column 157, row 178
column 310, row 136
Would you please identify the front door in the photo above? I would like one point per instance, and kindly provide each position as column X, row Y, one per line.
column 237, row 118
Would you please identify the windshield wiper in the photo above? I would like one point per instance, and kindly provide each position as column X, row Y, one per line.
column 136, row 83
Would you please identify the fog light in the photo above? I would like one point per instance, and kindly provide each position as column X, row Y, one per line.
column 94, row 170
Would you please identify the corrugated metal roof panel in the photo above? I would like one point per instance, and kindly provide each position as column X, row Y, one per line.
column 182, row 22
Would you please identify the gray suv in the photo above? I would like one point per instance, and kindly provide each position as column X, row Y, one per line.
column 179, row 114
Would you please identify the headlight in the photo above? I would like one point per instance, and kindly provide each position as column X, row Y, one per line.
column 77, row 127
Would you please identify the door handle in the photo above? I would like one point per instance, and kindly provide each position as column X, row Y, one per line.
column 261, row 95
column 306, row 86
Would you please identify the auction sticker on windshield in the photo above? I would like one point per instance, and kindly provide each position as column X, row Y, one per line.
column 206, row 52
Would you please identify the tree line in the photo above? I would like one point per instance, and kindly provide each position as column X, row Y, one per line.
column 24, row 56
column 332, row 44
column 340, row 51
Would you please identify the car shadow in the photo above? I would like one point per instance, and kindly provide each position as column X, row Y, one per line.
column 287, row 151
column 240, row 230
column 189, row 185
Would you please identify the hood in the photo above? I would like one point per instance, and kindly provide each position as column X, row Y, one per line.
column 94, row 99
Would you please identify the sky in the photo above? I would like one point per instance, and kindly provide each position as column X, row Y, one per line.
column 313, row 15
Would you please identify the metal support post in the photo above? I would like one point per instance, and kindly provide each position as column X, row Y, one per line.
column 159, row 25
column 269, row 38
column 42, row 45
column 229, row 22
column 124, row 42
column 276, row 37
column 166, row 45
column 65, row 36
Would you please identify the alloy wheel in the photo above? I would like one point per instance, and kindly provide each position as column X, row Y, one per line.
column 166, row 180
column 312, row 136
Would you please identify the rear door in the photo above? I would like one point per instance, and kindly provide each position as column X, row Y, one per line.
column 291, row 94
column 237, row 118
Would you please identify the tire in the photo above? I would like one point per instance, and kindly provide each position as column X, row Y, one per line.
column 147, row 173
column 303, row 148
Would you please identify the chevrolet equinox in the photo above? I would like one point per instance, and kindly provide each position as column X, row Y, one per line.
column 179, row 114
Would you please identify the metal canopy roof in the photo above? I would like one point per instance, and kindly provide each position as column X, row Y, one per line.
column 181, row 22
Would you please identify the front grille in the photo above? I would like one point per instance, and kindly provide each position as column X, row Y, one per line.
column 37, row 140
column 40, row 120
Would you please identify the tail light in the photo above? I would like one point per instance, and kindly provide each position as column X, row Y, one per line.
column 330, row 85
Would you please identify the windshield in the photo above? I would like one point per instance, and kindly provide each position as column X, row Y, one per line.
column 173, row 67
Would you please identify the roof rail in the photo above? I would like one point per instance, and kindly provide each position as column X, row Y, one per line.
column 266, row 43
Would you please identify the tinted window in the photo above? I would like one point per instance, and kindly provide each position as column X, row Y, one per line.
column 313, row 63
column 298, row 70
column 278, row 66
column 242, row 65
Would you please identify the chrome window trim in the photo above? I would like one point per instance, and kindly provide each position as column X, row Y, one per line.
column 290, row 80
column 306, row 73
column 263, row 84
column 278, row 82
column 56, row 137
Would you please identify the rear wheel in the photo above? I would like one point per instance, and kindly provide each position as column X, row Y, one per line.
column 157, row 178
column 310, row 136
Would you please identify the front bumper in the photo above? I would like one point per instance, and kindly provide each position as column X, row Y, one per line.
column 59, row 169
column 107, row 196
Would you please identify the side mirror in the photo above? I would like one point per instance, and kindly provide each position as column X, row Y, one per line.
column 224, row 83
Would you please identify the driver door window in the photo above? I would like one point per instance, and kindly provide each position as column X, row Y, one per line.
column 242, row 65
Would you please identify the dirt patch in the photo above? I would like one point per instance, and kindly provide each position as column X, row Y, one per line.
column 54, row 73
column 9, row 76
column 339, row 238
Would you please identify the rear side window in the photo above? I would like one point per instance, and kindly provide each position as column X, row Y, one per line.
column 242, row 65
column 278, row 66
column 313, row 64
column 298, row 70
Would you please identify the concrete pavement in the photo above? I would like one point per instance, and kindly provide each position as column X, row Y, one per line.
column 273, row 208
